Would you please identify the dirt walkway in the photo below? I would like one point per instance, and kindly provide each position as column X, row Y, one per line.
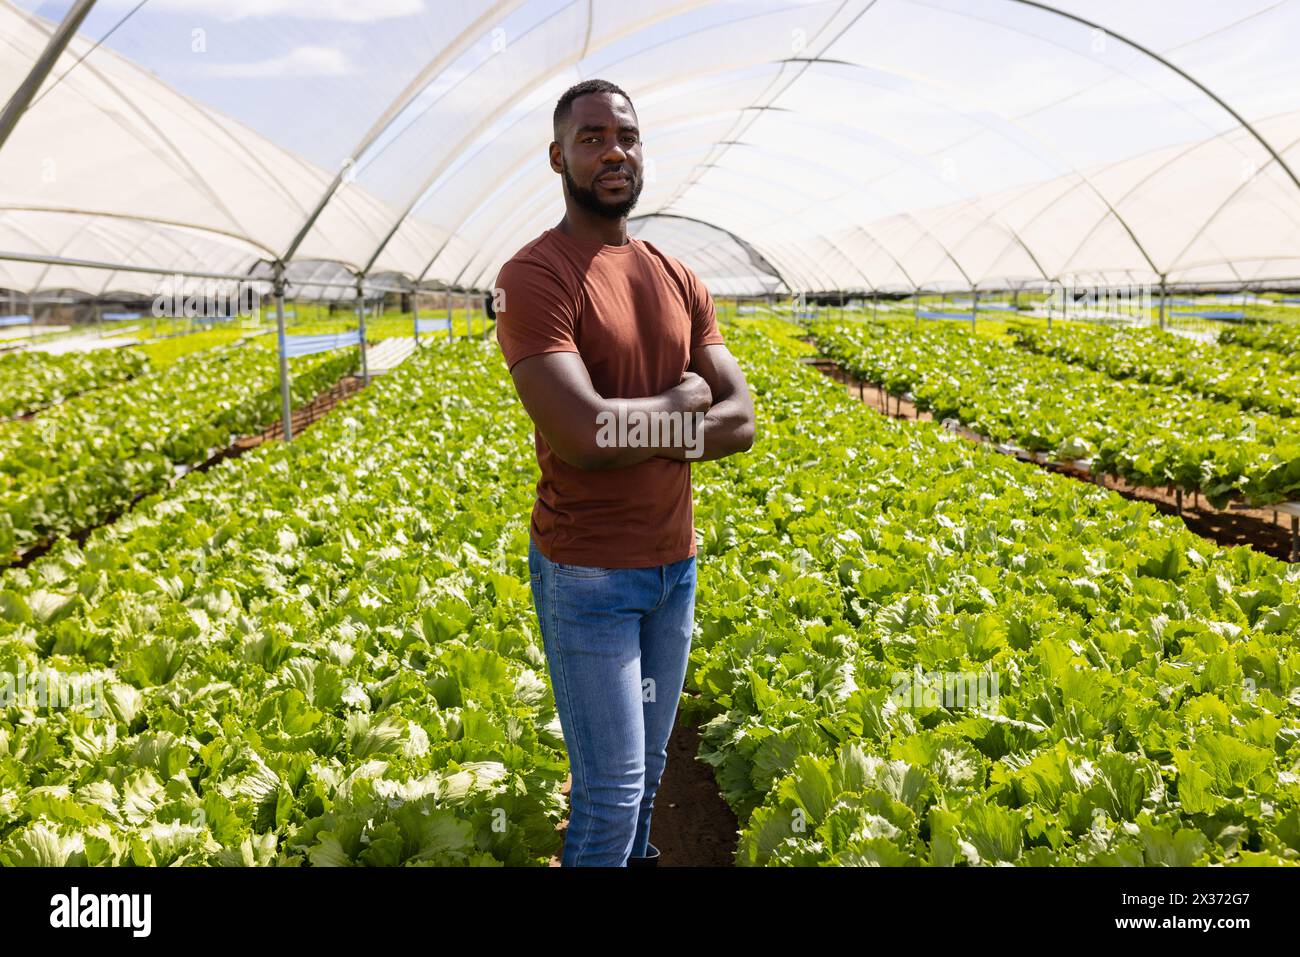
column 692, row 825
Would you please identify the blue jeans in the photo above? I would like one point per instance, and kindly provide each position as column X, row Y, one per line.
column 617, row 642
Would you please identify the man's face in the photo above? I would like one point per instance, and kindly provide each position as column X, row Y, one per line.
column 601, row 155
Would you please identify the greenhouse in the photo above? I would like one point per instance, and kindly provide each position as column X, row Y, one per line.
column 988, row 312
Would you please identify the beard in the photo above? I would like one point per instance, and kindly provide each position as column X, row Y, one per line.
column 588, row 199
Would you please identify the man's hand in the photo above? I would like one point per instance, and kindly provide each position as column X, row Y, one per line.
column 694, row 393
column 728, row 427
column 556, row 390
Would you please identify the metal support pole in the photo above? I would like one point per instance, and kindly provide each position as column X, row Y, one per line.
column 361, row 328
column 26, row 92
column 974, row 308
column 451, row 325
column 286, row 406
column 1164, row 294
column 916, row 306
column 415, row 317
column 469, row 317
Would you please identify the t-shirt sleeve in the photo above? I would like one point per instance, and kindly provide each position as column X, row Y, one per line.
column 535, row 312
column 704, row 322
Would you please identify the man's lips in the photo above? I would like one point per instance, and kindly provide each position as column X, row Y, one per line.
column 614, row 180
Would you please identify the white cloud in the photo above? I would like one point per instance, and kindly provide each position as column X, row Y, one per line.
column 301, row 62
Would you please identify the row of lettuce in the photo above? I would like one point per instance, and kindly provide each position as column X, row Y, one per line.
column 1252, row 378
column 84, row 460
column 29, row 381
column 1151, row 433
column 326, row 653
column 316, row 653
column 1282, row 338
column 1129, row 690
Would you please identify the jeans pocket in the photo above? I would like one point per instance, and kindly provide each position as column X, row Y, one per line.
column 581, row 571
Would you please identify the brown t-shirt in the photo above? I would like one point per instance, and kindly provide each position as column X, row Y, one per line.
column 633, row 314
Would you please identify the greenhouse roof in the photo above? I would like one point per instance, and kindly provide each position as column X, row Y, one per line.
column 853, row 145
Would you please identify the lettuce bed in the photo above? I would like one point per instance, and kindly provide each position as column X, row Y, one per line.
column 316, row 653
column 326, row 653
column 33, row 380
column 82, row 462
column 1252, row 378
column 1151, row 434
column 1147, row 708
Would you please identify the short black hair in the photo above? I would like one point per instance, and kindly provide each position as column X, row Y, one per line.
column 565, row 105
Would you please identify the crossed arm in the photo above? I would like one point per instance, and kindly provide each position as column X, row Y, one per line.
column 557, row 392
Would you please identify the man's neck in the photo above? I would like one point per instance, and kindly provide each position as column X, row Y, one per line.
column 588, row 227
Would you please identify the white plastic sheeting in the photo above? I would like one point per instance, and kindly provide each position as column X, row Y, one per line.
column 727, row 265
column 846, row 145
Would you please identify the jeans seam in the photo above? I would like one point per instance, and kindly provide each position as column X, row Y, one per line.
column 568, row 700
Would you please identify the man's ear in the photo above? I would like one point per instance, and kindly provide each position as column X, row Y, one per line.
column 557, row 158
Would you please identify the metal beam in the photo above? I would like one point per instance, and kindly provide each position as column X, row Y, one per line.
column 526, row 84
column 26, row 91
column 1277, row 158
column 45, row 260
column 431, row 70
column 749, row 249
column 361, row 328
column 286, row 404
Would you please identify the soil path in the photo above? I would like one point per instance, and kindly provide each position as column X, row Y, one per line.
column 692, row 825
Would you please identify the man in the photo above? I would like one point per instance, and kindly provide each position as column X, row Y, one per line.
column 615, row 353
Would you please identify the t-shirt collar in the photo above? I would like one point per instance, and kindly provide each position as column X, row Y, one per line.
column 593, row 247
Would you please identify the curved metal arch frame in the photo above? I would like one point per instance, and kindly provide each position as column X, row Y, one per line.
column 1246, row 124
column 780, row 153
column 1072, row 170
column 811, row 259
column 739, row 241
column 422, row 80
column 549, row 71
column 412, row 90
column 1224, row 205
column 420, row 199
column 710, row 257
column 501, row 223
column 692, row 180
